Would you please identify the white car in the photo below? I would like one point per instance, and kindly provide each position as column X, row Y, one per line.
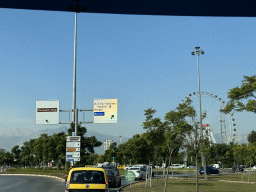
column 140, row 172
column 254, row 168
column 177, row 166
column 128, row 167
column 145, row 167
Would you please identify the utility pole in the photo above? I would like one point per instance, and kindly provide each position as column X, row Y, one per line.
column 74, row 114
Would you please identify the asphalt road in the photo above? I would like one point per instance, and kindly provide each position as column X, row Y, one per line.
column 13, row 183
column 23, row 183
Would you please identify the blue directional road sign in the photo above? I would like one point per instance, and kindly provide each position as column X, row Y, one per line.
column 99, row 113
column 69, row 159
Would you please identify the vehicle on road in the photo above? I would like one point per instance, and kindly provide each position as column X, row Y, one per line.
column 128, row 167
column 99, row 165
column 177, row 166
column 114, row 179
column 140, row 172
column 217, row 166
column 192, row 166
column 120, row 167
column 87, row 178
column 254, row 168
column 209, row 170
column 145, row 167
column 111, row 167
column 237, row 168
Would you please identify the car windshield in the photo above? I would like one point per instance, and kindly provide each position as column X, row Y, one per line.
column 85, row 176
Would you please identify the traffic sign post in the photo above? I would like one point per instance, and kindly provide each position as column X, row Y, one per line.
column 47, row 112
column 73, row 144
column 130, row 177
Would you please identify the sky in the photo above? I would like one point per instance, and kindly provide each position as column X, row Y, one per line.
column 143, row 61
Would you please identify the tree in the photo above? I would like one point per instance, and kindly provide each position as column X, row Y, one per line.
column 38, row 149
column 60, row 151
column 16, row 154
column 238, row 152
column 236, row 95
column 155, row 132
column 137, row 149
column 111, row 152
column 252, row 137
column 176, row 129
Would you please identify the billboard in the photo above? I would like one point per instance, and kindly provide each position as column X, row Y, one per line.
column 47, row 112
column 105, row 111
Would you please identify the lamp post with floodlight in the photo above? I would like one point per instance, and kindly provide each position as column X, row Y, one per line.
column 198, row 52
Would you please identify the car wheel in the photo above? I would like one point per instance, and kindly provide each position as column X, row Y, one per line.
column 152, row 174
column 201, row 173
column 208, row 173
column 119, row 185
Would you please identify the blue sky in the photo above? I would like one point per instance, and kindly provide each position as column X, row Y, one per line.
column 144, row 61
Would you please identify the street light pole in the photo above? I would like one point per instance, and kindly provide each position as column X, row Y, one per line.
column 197, row 52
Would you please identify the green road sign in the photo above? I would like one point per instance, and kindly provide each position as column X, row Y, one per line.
column 130, row 176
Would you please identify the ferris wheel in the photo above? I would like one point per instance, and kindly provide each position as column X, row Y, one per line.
column 214, row 118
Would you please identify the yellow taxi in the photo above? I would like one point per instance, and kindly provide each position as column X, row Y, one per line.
column 120, row 167
column 87, row 179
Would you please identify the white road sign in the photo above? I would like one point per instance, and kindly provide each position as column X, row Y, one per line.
column 105, row 111
column 73, row 138
column 72, row 144
column 72, row 154
column 47, row 112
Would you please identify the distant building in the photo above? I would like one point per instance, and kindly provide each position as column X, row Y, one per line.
column 3, row 150
column 107, row 144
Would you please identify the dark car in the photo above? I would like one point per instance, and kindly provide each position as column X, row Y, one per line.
column 237, row 168
column 114, row 179
column 209, row 170
column 111, row 167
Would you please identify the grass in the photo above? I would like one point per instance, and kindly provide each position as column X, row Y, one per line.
column 39, row 171
column 160, row 171
column 187, row 185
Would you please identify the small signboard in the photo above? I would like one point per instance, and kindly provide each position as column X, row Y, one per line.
column 70, row 149
column 73, row 144
column 129, row 176
column 47, row 112
column 72, row 154
column 73, row 138
column 105, row 111
column 73, row 159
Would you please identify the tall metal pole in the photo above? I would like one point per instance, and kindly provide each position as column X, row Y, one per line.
column 200, row 112
column 198, row 52
column 74, row 80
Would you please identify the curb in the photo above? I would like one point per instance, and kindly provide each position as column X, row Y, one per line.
column 129, row 184
column 37, row 175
